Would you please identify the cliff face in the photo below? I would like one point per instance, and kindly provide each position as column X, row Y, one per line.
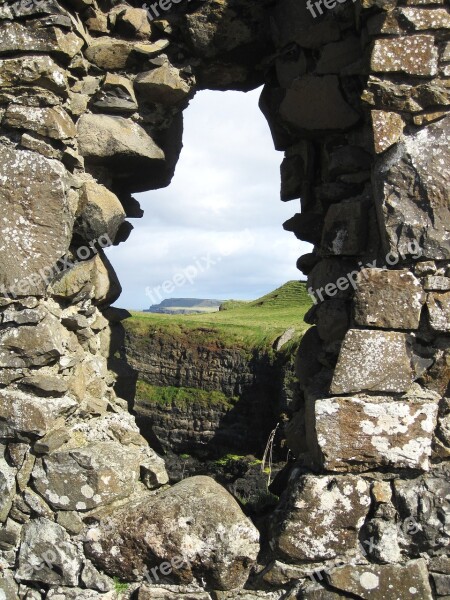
column 254, row 387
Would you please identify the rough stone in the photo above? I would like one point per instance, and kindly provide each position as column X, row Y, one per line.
column 87, row 477
column 171, row 593
column 373, row 582
column 317, row 104
column 37, row 505
column 153, row 469
column 68, row 593
column 29, row 244
column 94, row 580
column 30, row 141
column 109, row 53
column 363, row 432
column 381, row 538
column 97, row 21
column 296, row 172
column 423, row 501
column 134, row 21
column 442, row 584
column 33, row 346
column 118, row 143
column 292, row 22
column 116, row 95
column 16, row 37
column 332, row 320
column 425, row 19
column 388, row 299
column 39, row 71
column 374, row 361
column 99, row 212
column 413, row 212
column 440, row 564
column 347, row 159
column 338, row 55
column 52, row 441
column 10, row 535
column 24, row 413
column 321, row 517
column 92, row 278
column 414, row 55
column 45, row 385
column 437, row 283
column 26, row 9
column 7, row 486
column 438, row 305
column 162, row 85
column 54, row 123
column 387, row 129
column 71, row 521
column 8, row 586
column 345, row 229
column 47, row 554
column 195, row 524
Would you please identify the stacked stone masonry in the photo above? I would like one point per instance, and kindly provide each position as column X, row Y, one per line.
column 91, row 101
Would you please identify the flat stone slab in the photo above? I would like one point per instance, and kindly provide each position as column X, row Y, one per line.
column 377, row 361
column 388, row 299
column 380, row 582
column 373, row 431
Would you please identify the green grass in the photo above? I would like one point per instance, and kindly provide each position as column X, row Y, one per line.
column 119, row 586
column 180, row 397
column 228, row 458
column 243, row 324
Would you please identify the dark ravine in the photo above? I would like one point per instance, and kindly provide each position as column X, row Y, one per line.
column 257, row 388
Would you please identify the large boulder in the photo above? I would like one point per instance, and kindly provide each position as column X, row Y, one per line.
column 193, row 529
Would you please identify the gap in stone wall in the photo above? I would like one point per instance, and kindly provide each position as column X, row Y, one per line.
column 223, row 202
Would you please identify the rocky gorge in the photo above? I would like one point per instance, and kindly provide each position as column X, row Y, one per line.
column 238, row 394
column 91, row 101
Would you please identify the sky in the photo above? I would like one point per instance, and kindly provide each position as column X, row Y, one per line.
column 216, row 231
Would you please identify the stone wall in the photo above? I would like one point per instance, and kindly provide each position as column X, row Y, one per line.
column 91, row 100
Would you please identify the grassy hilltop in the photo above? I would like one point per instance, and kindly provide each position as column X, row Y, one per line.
column 241, row 324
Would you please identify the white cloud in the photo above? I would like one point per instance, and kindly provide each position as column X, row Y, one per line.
column 223, row 202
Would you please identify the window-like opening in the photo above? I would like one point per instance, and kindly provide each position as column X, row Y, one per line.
column 212, row 385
